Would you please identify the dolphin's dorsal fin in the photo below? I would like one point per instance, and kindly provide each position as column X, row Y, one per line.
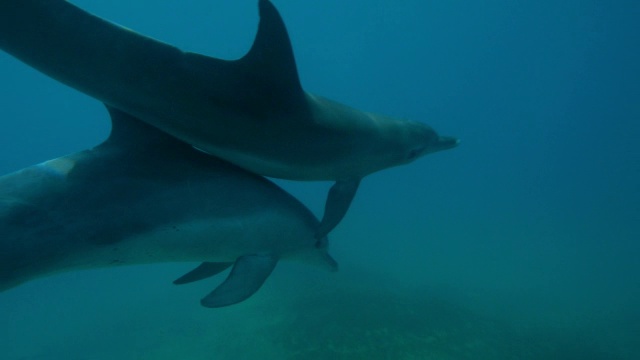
column 271, row 61
column 131, row 133
column 263, row 82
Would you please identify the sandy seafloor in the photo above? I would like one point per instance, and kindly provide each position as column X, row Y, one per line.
column 523, row 243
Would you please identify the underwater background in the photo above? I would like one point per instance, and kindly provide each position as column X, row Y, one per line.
column 522, row 243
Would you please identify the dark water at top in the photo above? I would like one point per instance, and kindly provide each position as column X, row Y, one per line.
column 523, row 243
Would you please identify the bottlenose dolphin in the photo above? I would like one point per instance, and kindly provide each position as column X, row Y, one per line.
column 252, row 111
column 144, row 197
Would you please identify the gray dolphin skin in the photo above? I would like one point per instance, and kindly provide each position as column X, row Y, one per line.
column 252, row 111
column 145, row 197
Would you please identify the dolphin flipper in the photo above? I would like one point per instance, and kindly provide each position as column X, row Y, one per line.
column 340, row 196
column 246, row 277
column 203, row 271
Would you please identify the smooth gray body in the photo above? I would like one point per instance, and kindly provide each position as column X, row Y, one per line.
column 144, row 197
column 252, row 112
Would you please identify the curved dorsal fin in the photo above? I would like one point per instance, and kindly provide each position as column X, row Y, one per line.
column 264, row 81
column 270, row 60
column 127, row 131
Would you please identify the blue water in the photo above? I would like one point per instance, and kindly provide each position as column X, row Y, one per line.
column 523, row 243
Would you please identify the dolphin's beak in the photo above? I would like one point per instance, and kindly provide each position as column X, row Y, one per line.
column 446, row 143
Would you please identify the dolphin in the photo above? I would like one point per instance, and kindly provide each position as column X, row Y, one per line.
column 143, row 196
column 252, row 111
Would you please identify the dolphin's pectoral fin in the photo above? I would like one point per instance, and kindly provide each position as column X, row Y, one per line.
column 246, row 277
column 203, row 271
column 338, row 202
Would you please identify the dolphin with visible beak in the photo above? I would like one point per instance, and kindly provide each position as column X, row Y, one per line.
column 144, row 197
column 252, row 111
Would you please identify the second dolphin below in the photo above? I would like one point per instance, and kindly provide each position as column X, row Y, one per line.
column 145, row 197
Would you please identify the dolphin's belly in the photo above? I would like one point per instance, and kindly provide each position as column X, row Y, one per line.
column 36, row 243
column 217, row 240
column 258, row 163
column 213, row 239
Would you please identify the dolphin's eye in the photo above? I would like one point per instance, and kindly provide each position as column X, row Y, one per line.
column 413, row 154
